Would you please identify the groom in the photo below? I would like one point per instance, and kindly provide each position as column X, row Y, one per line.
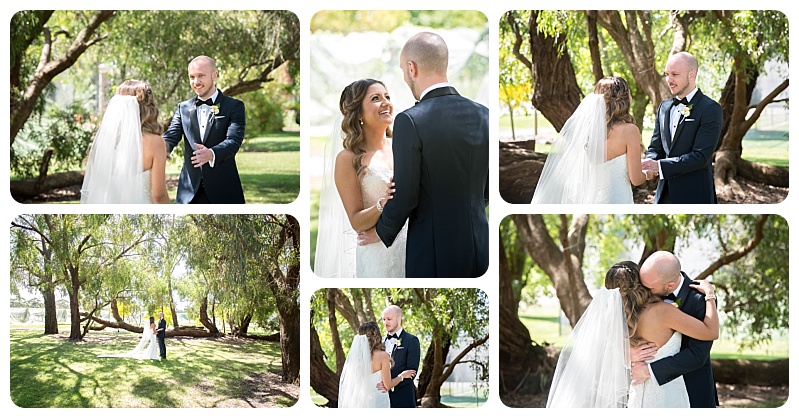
column 405, row 354
column 440, row 148
column 687, row 129
column 212, row 127
column 661, row 274
column 161, row 335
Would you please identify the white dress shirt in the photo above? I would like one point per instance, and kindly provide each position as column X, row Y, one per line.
column 675, row 119
column 433, row 87
column 202, row 119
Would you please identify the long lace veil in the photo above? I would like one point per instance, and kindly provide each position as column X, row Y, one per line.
column 335, row 239
column 114, row 167
column 356, row 389
column 593, row 367
column 572, row 167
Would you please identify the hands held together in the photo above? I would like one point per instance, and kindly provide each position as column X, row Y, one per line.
column 369, row 236
column 650, row 168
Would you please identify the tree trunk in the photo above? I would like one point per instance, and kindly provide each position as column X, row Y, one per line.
column 519, row 170
column 322, row 379
column 593, row 46
column 172, row 309
column 50, row 312
column 207, row 323
column 22, row 190
column 74, row 304
column 334, row 336
column 432, row 367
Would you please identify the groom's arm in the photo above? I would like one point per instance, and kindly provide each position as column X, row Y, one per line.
column 235, row 132
column 407, row 173
column 174, row 133
column 655, row 150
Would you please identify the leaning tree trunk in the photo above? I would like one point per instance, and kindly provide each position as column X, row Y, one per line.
column 522, row 363
column 207, row 322
column 338, row 350
column 432, row 367
column 323, row 380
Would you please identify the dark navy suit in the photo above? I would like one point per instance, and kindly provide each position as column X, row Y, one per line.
column 406, row 355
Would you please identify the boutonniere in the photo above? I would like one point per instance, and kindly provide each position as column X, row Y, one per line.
column 677, row 302
column 686, row 111
column 399, row 342
column 215, row 109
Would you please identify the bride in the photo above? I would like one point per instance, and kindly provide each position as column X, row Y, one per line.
column 597, row 154
column 368, row 364
column 147, row 349
column 358, row 183
column 593, row 369
column 127, row 160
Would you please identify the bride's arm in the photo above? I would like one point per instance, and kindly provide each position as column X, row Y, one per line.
column 706, row 330
column 632, row 141
column 158, row 172
column 385, row 372
column 350, row 192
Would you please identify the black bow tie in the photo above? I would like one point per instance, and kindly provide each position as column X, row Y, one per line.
column 675, row 101
column 390, row 336
column 198, row 102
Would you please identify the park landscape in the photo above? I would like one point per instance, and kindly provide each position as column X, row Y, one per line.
column 84, row 285
column 66, row 65
column 551, row 264
column 550, row 59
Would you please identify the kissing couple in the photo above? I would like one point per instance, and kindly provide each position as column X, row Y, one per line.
column 127, row 159
column 408, row 201
column 630, row 349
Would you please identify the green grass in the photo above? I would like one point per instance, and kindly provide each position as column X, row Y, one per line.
column 542, row 322
column 452, row 396
column 49, row 372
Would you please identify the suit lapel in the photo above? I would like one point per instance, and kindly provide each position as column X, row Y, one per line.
column 211, row 118
column 666, row 129
column 680, row 124
column 682, row 295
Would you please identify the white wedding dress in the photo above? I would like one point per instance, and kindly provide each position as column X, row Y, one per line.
column 146, row 349
column 114, row 167
column 376, row 260
column 575, row 171
column 358, row 384
column 670, row 395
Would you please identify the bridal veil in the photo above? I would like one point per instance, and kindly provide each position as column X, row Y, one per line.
column 593, row 367
column 576, row 157
column 114, row 169
column 335, row 238
column 356, row 388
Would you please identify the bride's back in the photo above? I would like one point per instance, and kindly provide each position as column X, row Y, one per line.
column 651, row 327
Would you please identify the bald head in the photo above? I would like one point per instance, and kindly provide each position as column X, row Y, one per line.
column 686, row 59
column 429, row 51
column 204, row 60
column 392, row 318
column 660, row 273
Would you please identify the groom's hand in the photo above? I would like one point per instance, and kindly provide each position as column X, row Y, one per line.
column 643, row 352
column 368, row 237
column 381, row 387
column 640, row 372
column 201, row 156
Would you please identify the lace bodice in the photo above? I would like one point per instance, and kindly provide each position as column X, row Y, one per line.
column 375, row 260
column 613, row 182
column 669, row 395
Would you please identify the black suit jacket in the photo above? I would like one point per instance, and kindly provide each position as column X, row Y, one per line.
column 406, row 356
column 441, row 173
column 693, row 360
column 224, row 134
column 161, row 329
column 686, row 159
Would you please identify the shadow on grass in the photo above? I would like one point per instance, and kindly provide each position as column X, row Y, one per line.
column 270, row 187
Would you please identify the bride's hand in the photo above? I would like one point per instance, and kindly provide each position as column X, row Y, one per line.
column 703, row 286
column 408, row 374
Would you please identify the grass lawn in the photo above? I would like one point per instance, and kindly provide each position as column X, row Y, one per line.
column 457, row 395
column 542, row 321
column 50, row 372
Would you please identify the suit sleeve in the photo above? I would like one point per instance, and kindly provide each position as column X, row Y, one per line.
column 655, row 150
column 407, row 151
column 174, row 133
column 235, row 133
column 691, row 358
column 414, row 355
column 704, row 146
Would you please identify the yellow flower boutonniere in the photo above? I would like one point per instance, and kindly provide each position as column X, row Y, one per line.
column 399, row 342
column 686, row 111
column 215, row 109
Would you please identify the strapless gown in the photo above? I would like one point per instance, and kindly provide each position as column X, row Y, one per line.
column 670, row 395
column 613, row 183
column 376, row 260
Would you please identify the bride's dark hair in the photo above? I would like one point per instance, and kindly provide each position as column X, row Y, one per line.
column 372, row 333
column 148, row 111
column 625, row 276
column 152, row 320
column 350, row 104
column 617, row 100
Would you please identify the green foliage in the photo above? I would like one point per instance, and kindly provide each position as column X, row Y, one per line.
column 265, row 110
column 348, row 21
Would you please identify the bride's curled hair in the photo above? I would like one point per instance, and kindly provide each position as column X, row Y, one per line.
column 350, row 104
column 148, row 111
column 625, row 276
column 617, row 100
column 372, row 333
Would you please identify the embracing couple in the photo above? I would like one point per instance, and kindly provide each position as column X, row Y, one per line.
column 127, row 160
column 416, row 194
column 597, row 154
column 632, row 349
column 379, row 370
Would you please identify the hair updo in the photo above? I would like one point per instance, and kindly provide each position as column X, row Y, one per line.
column 148, row 111
column 350, row 104
column 625, row 276
column 617, row 100
column 373, row 335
